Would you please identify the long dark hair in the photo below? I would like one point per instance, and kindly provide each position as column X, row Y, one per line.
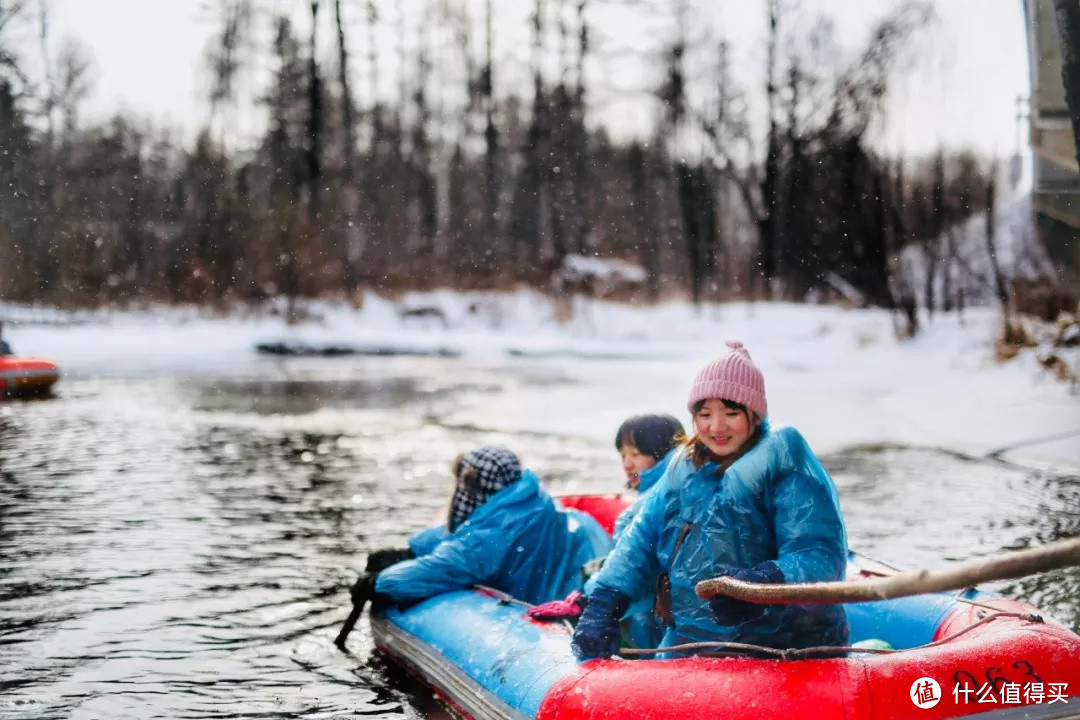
column 654, row 435
column 699, row 453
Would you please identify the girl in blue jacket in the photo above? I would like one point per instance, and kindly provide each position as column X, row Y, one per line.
column 741, row 498
column 503, row 530
column 646, row 444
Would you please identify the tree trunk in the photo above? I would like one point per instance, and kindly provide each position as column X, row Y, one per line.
column 351, row 240
column 697, row 201
column 491, row 145
column 314, row 168
column 947, row 271
column 770, row 184
column 525, row 210
column 643, row 217
column 580, row 196
column 995, row 266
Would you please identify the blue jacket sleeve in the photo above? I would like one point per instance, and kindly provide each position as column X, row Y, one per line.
column 632, row 567
column 464, row 559
column 425, row 541
column 810, row 538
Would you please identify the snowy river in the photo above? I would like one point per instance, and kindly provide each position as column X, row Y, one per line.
column 180, row 547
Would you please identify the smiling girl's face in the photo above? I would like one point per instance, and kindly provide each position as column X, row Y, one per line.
column 723, row 429
column 633, row 463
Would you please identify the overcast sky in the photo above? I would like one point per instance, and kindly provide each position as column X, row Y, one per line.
column 960, row 87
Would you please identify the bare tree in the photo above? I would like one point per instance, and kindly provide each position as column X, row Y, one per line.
column 225, row 55
column 526, row 205
column 770, row 183
column 645, row 218
column 1000, row 288
column 423, row 181
column 351, row 242
column 580, row 139
column 72, row 84
column 11, row 14
column 491, row 135
column 931, row 240
column 697, row 198
column 315, row 120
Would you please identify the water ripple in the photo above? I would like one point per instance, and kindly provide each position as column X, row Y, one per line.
column 181, row 548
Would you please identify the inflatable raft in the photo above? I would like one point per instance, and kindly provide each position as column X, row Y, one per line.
column 953, row 656
column 20, row 376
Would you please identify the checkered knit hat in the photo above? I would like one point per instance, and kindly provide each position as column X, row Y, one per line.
column 480, row 474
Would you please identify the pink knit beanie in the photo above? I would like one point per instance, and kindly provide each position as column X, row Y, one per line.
column 732, row 376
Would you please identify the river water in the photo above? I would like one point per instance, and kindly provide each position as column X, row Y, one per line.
column 181, row 547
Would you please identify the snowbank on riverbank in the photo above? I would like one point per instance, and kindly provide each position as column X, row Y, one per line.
column 839, row 375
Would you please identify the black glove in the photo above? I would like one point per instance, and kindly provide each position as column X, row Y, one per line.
column 379, row 560
column 363, row 592
column 728, row 611
column 363, row 589
column 597, row 633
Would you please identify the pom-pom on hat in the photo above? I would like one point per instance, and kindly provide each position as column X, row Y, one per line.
column 732, row 376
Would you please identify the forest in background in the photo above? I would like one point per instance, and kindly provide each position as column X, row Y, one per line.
column 460, row 182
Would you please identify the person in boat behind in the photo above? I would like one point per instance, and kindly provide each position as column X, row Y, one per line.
column 742, row 499
column 646, row 444
column 5, row 349
column 503, row 530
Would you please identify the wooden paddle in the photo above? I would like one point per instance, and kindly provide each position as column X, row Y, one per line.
column 1007, row 566
column 361, row 593
column 350, row 623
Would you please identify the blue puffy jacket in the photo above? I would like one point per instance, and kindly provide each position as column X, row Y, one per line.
column 643, row 629
column 646, row 480
column 518, row 541
column 776, row 503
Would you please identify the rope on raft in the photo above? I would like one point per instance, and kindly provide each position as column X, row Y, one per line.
column 733, row 649
column 502, row 597
column 729, row 649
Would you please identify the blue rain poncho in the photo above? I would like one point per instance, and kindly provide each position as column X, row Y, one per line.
column 777, row 503
column 643, row 630
column 425, row 541
column 518, row 541
column 646, row 480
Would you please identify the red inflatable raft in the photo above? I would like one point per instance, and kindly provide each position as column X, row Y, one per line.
column 929, row 657
column 20, row 376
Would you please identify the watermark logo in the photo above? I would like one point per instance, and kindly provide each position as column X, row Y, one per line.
column 1011, row 693
column 925, row 693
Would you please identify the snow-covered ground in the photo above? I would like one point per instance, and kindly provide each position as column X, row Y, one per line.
column 839, row 375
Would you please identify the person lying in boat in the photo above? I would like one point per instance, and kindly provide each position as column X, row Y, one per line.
column 5, row 349
column 742, row 499
column 503, row 530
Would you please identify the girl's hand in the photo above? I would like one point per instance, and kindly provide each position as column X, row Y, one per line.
column 597, row 633
column 728, row 611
